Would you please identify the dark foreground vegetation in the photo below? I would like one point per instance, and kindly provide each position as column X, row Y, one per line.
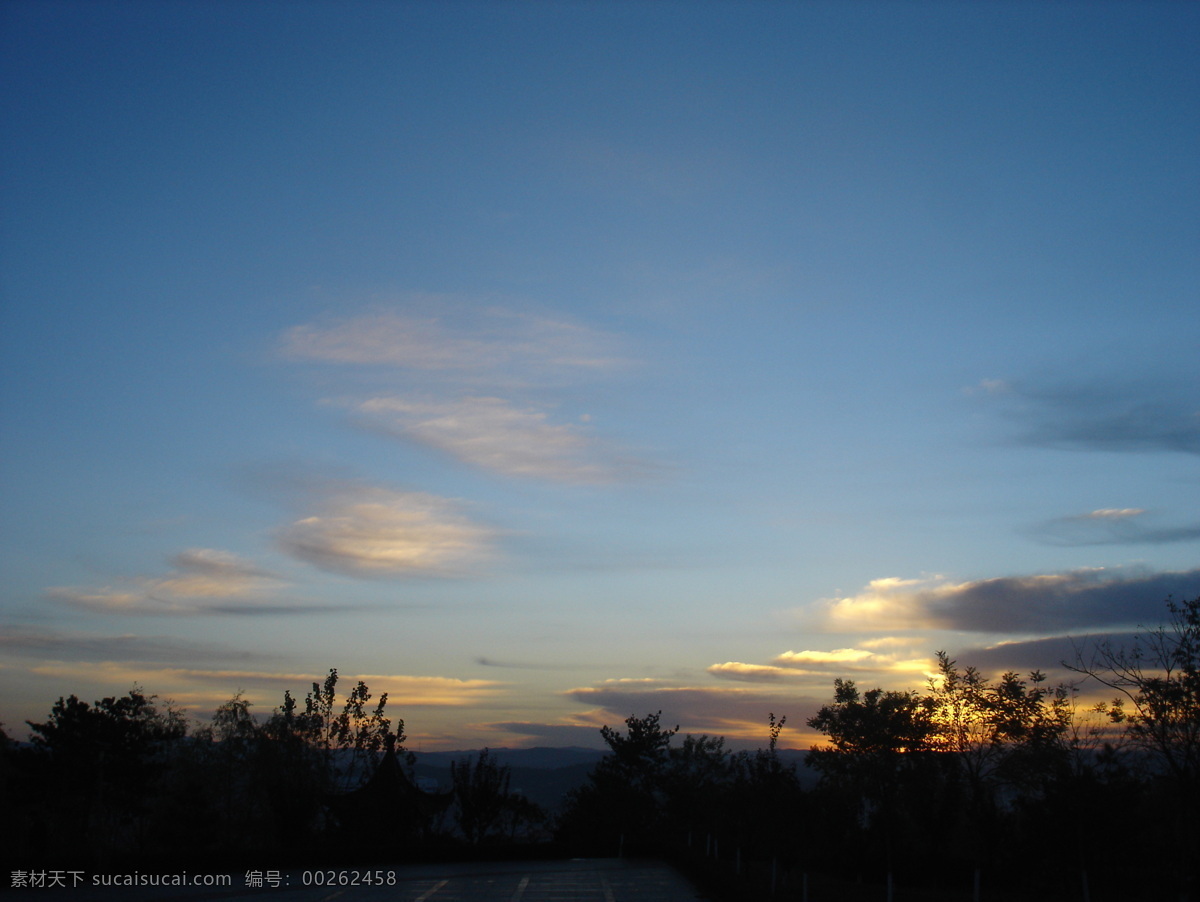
column 970, row 789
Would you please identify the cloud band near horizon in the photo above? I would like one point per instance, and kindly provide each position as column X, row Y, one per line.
column 1039, row 604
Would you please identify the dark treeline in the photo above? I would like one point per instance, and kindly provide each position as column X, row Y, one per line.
column 128, row 780
column 971, row 788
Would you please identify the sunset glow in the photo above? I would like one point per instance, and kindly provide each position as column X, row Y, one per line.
column 546, row 364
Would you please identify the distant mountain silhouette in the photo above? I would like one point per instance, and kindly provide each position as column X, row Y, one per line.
column 545, row 775
column 542, row 775
column 541, row 757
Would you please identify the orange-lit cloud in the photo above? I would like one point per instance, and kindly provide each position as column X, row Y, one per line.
column 429, row 691
column 754, row 673
column 891, row 642
column 199, row 686
column 810, row 658
column 815, row 668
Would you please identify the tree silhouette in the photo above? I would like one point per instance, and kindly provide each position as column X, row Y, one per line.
column 481, row 795
column 870, row 732
column 1157, row 679
column 105, row 763
column 344, row 747
column 695, row 783
column 1013, row 732
column 766, row 804
column 877, row 739
column 624, row 798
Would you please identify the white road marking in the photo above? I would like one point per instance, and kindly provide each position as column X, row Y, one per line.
column 608, row 893
column 521, row 889
column 433, row 889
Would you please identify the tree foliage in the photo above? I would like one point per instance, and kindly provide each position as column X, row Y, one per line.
column 481, row 795
column 345, row 745
column 129, row 727
column 624, row 798
column 106, row 764
column 116, row 775
column 1157, row 681
column 871, row 733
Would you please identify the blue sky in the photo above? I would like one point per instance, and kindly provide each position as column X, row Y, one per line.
column 543, row 364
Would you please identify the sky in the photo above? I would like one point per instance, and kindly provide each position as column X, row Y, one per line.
column 543, row 364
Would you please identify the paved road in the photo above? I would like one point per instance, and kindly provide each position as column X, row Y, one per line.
column 579, row 880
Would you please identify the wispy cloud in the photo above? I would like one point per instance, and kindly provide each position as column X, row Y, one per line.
column 1100, row 416
column 201, row 690
column 211, row 686
column 988, row 387
column 1035, row 604
column 77, row 646
column 433, row 691
column 1112, row 526
column 492, row 341
column 494, row 434
column 209, row 573
column 128, row 672
column 112, row 601
column 387, row 339
column 202, row 581
column 483, row 661
column 458, row 374
column 370, row 531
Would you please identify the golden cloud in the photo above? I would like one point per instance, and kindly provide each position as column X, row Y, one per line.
column 192, row 685
column 837, row 656
column 378, row 532
column 753, row 673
